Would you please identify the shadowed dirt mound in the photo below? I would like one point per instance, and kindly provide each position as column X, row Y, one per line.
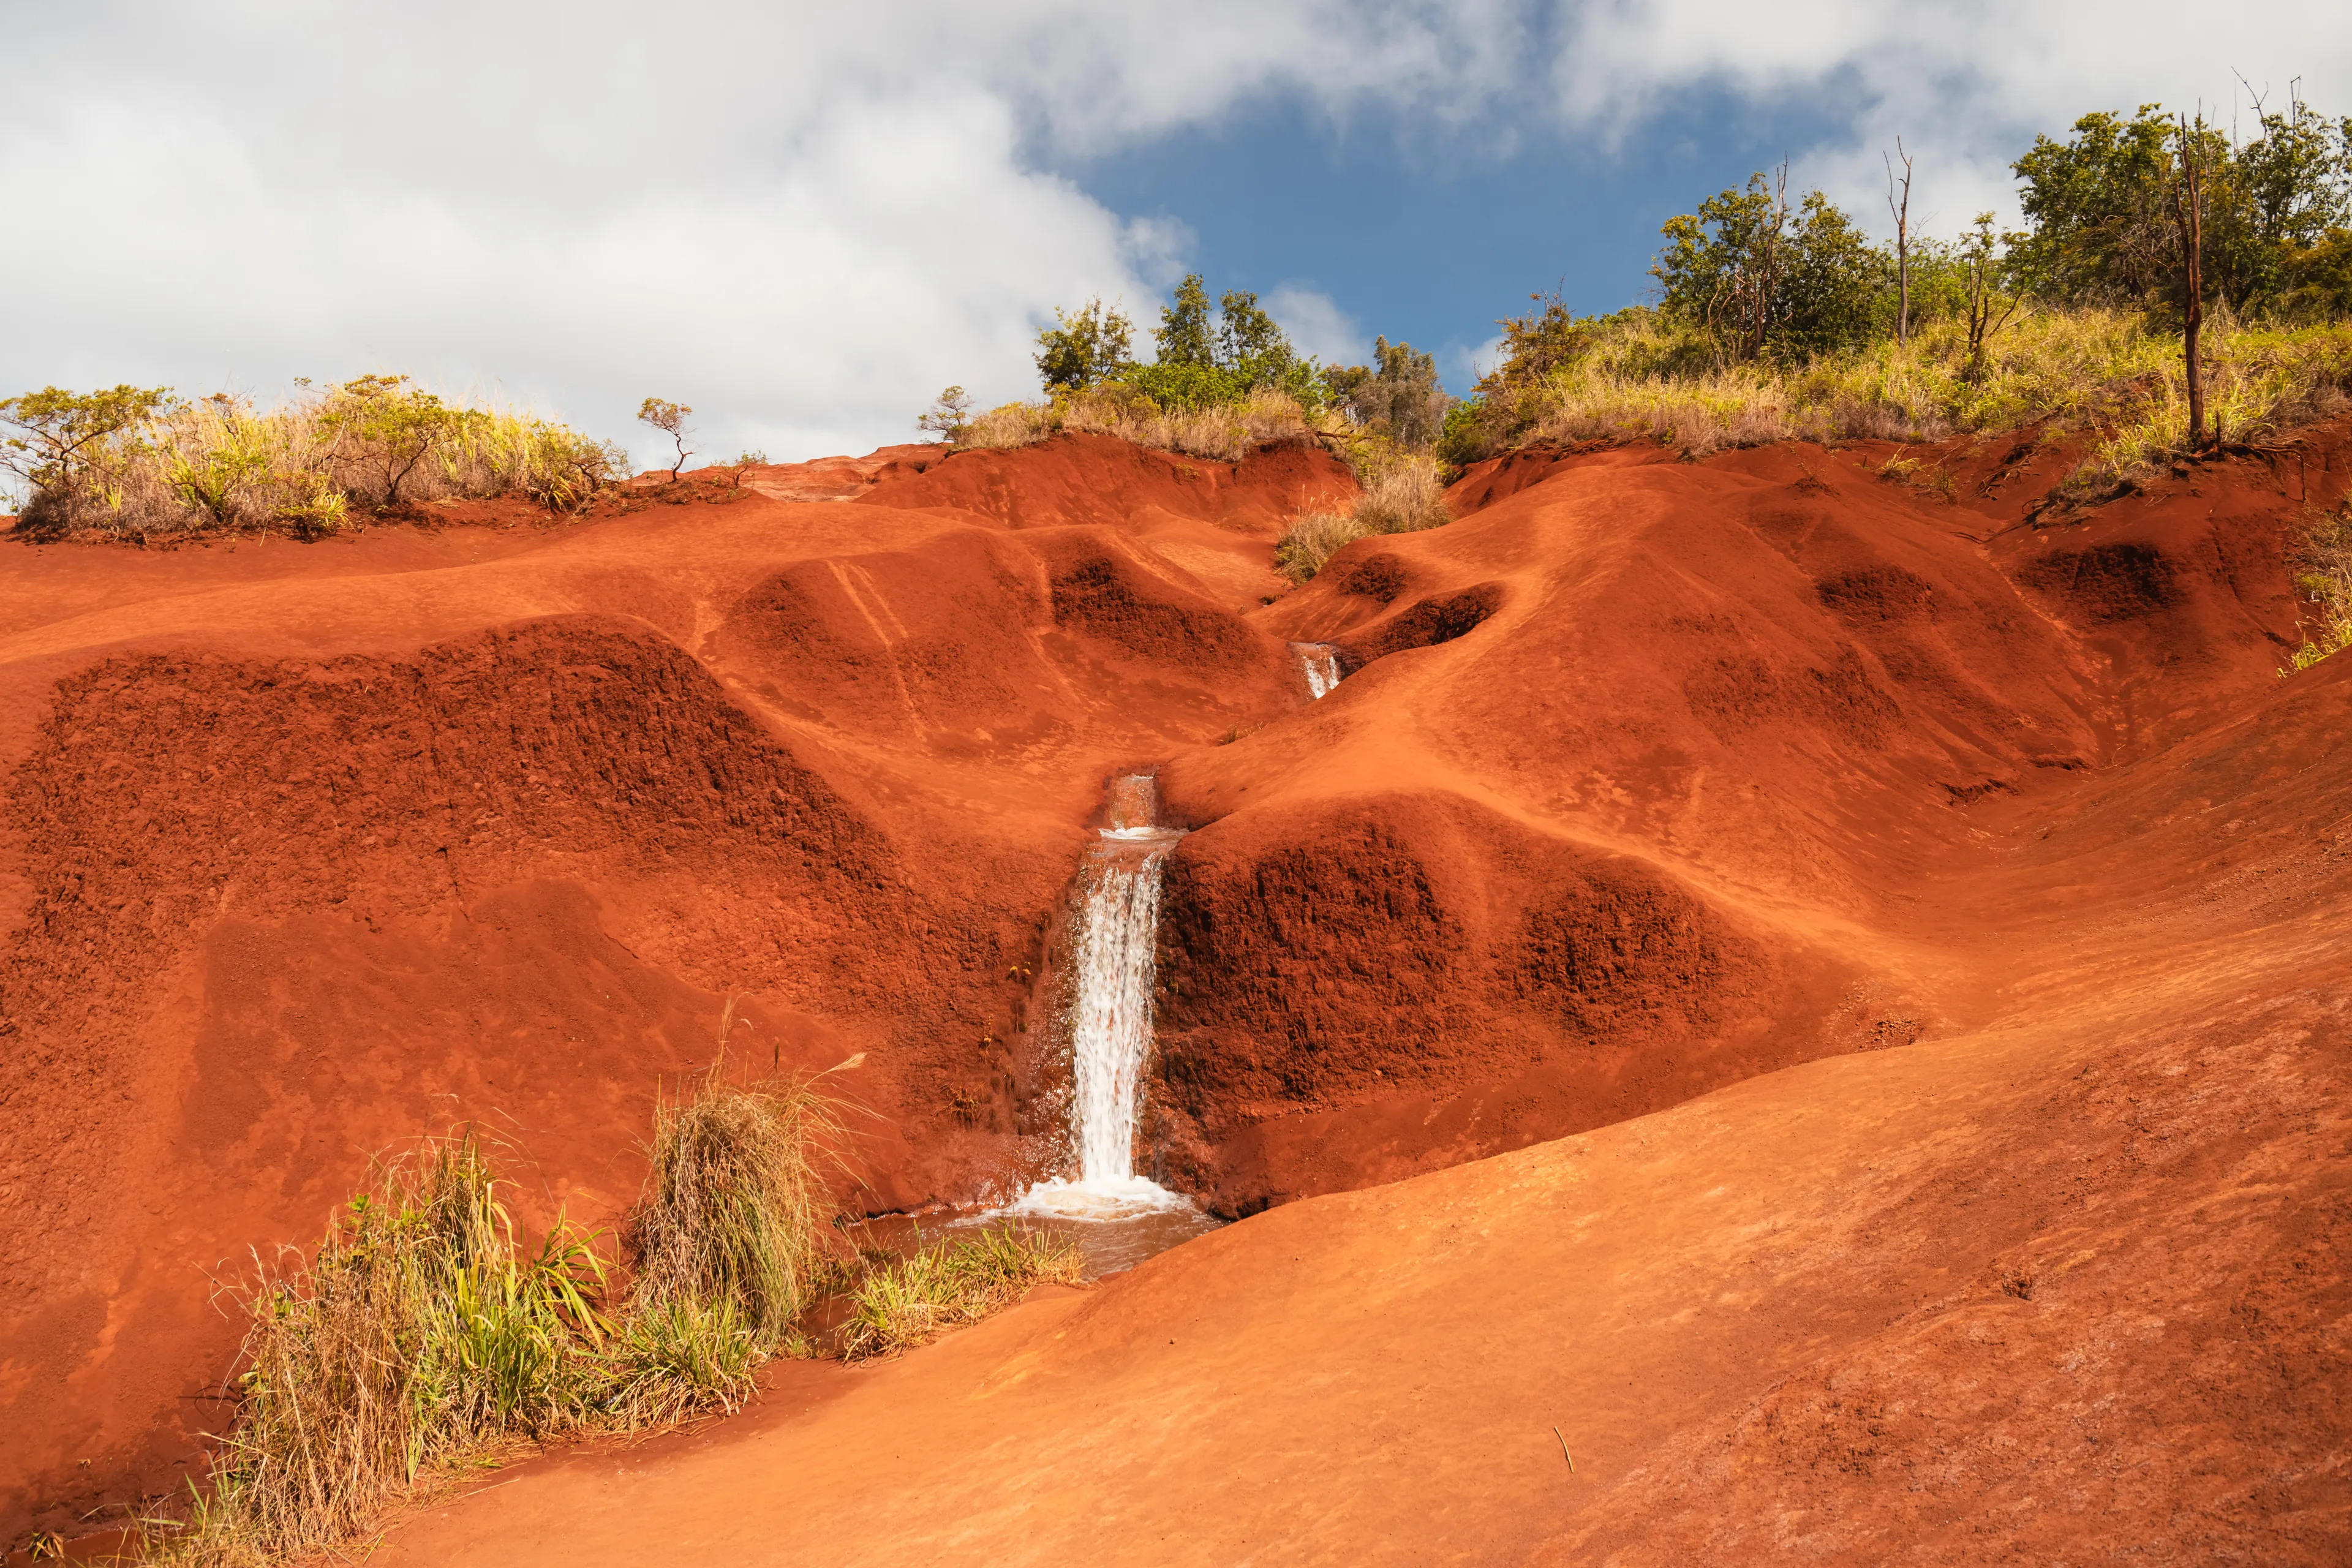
column 1648, row 778
column 1361, row 968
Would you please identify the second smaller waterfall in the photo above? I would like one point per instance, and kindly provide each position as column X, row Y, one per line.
column 1320, row 660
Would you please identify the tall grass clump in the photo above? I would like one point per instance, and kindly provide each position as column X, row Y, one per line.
column 421, row 1332
column 418, row 1332
column 950, row 1284
column 734, row 1233
column 1403, row 493
column 149, row 464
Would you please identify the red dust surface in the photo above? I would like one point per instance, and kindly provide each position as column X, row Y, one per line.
column 1825, row 989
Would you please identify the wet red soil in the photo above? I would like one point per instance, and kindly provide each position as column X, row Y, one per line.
column 1843, row 979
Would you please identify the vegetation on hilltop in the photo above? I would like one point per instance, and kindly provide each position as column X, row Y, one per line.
column 136, row 462
column 1224, row 379
column 1777, row 318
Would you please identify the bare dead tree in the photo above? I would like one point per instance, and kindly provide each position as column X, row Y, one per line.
column 1988, row 309
column 1902, row 212
column 1745, row 305
column 2189, row 213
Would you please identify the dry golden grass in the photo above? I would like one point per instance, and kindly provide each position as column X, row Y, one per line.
column 312, row 465
column 1226, row 434
column 1403, row 493
column 2108, row 375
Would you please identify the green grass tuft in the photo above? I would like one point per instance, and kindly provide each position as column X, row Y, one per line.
column 737, row 1210
column 2322, row 561
column 942, row 1287
column 417, row 1332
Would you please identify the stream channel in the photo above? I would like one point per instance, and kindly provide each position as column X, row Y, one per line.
column 1117, row 1217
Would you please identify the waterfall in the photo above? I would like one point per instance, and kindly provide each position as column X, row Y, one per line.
column 1111, row 1022
column 1116, row 931
column 1320, row 660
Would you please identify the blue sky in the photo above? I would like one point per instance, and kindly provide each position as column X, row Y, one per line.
column 805, row 219
column 1430, row 234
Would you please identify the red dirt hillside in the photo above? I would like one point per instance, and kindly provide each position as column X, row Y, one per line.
column 1937, row 909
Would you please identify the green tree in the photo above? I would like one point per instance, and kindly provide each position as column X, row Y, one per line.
column 1397, row 394
column 386, row 429
column 1836, row 287
column 1986, row 306
column 2279, row 195
column 669, row 419
column 1761, row 280
column 947, row 417
column 1084, row 348
column 2098, row 211
column 2100, row 207
column 1545, row 339
column 1184, row 335
column 1207, row 356
column 59, row 433
column 2315, row 280
column 1250, row 340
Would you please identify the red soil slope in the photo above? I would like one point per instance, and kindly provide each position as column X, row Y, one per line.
column 1649, row 779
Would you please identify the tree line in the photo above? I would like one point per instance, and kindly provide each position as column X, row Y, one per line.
column 2161, row 213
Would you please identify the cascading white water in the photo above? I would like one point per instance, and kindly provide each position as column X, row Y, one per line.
column 1321, row 662
column 1111, row 1012
column 1111, row 1026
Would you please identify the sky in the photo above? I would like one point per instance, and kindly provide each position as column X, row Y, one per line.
column 804, row 220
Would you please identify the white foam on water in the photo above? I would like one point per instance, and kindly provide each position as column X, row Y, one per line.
column 1123, row 1197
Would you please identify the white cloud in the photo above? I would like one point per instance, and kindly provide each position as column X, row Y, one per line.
column 1315, row 323
column 1464, row 367
column 801, row 220
column 1967, row 86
